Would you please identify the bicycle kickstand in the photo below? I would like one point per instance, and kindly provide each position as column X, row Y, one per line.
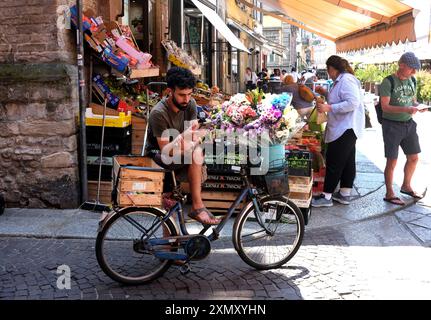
column 184, row 269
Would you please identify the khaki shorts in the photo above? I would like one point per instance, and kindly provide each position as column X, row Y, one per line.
column 181, row 170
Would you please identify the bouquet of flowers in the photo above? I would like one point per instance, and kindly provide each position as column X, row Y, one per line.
column 255, row 113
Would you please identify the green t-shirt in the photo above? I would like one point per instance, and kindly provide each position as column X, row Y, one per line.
column 403, row 93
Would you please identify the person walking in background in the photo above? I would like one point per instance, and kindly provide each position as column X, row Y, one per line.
column 263, row 80
column 346, row 122
column 250, row 79
column 398, row 100
column 283, row 74
column 276, row 75
column 294, row 74
column 310, row 81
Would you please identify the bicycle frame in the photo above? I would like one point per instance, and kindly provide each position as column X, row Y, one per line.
column 247, row 191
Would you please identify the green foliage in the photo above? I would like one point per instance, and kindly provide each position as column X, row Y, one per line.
column 423, row 79
column 375, row 73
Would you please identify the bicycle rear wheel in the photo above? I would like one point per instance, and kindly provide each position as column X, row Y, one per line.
column 121, row 246
column 274, row 242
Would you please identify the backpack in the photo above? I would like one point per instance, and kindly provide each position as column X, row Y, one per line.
column 378, row 106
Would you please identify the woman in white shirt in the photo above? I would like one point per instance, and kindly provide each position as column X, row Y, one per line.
column 346, row 123
column 250, row 79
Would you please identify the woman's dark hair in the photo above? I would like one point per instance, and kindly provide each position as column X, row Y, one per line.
column 180, row 78
column 248, row 68
column 340, row 64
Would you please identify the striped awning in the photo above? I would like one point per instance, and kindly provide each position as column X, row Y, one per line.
column 351, row 24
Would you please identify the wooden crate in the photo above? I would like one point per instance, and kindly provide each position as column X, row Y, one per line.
column 302, row 200
column 126, row 199
column 220, row 201
column 138, row 134
column 105, row 191
column 216, row 201
column 138, row 188
column 300, row 184
column 145, row 73
column 98, row 109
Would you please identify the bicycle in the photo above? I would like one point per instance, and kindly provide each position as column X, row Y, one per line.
column 267, row 233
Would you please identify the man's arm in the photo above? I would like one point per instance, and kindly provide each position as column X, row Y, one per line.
column 386, row 107
column 184, row 142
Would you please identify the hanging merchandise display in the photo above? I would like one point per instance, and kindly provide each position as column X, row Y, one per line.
column 115, row 65
column 115, row 45
column 180, row 57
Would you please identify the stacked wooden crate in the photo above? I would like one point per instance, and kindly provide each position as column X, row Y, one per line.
column 136, row 187
column 218, row 192
column 300, row 190
column 138, row 134
column 104, row 193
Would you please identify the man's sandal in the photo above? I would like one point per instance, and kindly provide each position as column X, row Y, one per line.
column 204, row 216
column 412, row 194
column 395, row 200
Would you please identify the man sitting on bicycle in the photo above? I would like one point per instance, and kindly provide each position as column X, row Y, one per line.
column 173, row 131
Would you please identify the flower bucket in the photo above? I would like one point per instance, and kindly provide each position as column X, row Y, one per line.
column 275, row 155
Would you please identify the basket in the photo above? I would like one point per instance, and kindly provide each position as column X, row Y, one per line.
column 275, row 181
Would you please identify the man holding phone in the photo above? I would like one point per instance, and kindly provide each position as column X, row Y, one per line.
column 174, row 137
column 398, row 100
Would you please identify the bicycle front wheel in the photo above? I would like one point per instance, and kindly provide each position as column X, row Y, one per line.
column 122, row 248
column 271, row 240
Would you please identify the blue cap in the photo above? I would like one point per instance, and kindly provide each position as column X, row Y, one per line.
column 410, row 60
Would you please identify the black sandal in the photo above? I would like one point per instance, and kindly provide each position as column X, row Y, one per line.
column 209, row 219
column 412, row 194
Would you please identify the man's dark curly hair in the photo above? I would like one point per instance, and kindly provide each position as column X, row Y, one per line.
column 181, row 78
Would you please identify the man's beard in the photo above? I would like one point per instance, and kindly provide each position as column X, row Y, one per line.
column 178, row 105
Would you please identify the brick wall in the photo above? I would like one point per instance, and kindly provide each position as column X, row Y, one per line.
column 38, row 105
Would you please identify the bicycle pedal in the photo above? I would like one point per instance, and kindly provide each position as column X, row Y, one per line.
column 185, row 269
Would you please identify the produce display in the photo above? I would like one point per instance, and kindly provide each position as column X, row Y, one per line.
column 180, row 57
column 211, row 97
column 123, row 96
column 114, row 44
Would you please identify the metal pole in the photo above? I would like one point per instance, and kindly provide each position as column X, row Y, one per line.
column 82, row 105
column 101, row 149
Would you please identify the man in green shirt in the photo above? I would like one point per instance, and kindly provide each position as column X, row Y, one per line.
column 173, row 137
column 398, row 100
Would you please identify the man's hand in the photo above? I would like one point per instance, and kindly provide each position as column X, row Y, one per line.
column 193, row 135
column 323, row 107
column 413, row 110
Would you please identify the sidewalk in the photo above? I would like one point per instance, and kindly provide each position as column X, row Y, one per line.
column 369, row 193
column 368, row 250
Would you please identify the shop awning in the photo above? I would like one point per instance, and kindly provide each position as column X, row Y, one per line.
column 221, row 27
column 351, row 24
column 269, row 45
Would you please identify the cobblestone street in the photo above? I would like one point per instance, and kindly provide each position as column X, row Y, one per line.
column 322, row 269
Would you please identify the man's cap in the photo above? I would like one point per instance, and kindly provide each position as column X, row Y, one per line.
column 410, row 60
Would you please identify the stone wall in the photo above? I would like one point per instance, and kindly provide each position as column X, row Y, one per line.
column 38, row 105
